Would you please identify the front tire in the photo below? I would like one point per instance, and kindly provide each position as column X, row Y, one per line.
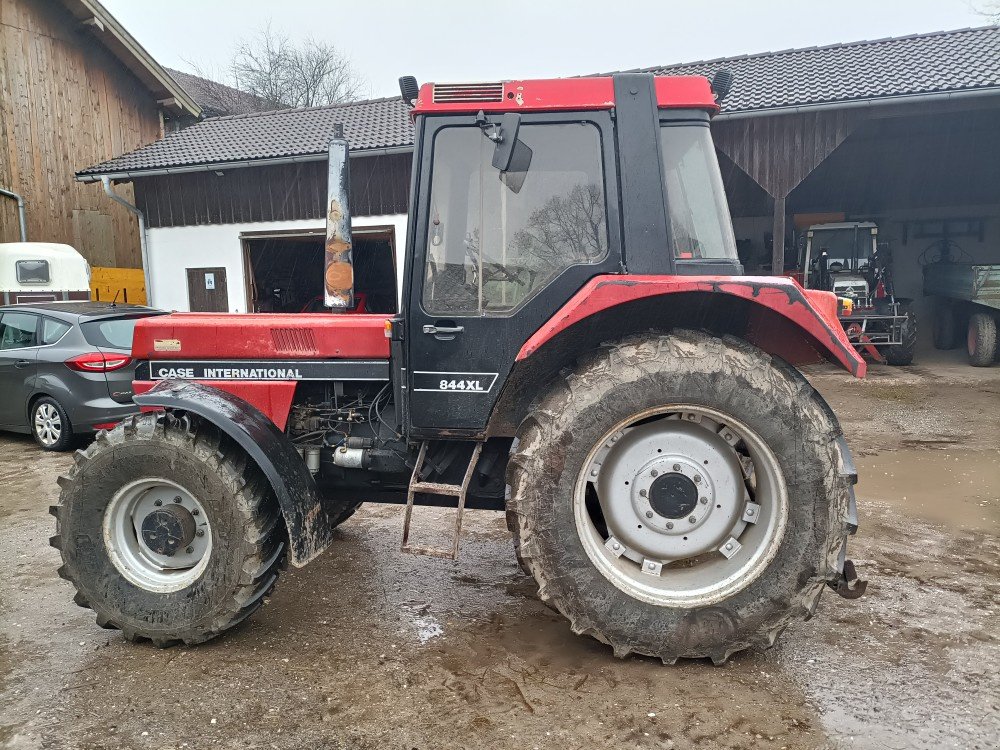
column 902, row 354
column 167, row 530
column 609, row 457
column 50, row 425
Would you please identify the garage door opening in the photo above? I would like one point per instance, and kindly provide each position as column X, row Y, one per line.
column 285, row 271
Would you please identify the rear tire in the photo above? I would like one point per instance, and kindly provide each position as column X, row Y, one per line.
column 639, row 379
column 50, row 425
column 945, row 327
column 902, row 353
column 982, row 339
column 126, row 498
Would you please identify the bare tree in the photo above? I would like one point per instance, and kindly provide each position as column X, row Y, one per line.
column 271, row 71
column 989, row 9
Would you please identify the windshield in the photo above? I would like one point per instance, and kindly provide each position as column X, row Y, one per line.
column 113, row 333
column 847, row 249
column 700, row 225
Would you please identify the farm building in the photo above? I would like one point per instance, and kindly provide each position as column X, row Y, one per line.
column 900, row 132
column 76, row 88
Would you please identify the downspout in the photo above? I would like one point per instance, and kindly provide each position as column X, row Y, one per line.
column 20, row 212
column 106, row 181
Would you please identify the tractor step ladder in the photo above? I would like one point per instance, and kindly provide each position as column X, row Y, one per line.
column 434, row 488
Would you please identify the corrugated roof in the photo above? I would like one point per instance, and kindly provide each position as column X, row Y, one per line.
column 921, row 64
column 281, row 134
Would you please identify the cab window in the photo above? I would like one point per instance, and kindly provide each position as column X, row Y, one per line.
column 17, row 330
column 491, row 249
column 700, row 226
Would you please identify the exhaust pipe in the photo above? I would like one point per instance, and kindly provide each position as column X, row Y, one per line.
column 338, row 272
column 20, row 212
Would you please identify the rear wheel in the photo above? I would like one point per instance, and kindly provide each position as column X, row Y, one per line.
column 680, row 496
column 902, row 353
column 167, row 530
column 50, row 425
column 982, row 339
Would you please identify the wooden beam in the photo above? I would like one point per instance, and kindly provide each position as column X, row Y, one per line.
column 778, row 249
column 93, row 22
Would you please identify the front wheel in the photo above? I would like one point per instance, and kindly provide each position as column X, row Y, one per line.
column 902, row 353
column 680, row 496
column 167, row 530
column 982, row 339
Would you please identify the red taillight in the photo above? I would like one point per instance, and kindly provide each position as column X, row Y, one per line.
column 98, row 362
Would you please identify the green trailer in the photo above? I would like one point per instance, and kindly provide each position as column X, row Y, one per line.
column 968, row 300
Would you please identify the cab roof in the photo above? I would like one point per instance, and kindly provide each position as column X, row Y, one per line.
column 555, row 94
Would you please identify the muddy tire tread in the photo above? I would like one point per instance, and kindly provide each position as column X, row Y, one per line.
column 576, row 391
column 264, row 531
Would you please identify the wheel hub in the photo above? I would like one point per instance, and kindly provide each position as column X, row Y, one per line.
column 167, row 530
column 673, row 496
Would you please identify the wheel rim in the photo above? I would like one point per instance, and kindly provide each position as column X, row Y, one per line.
column 681, row 506
column 48, row 424
column 158, row 535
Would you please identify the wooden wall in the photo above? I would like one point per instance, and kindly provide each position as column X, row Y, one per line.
column 66, row 103
column 379, row 185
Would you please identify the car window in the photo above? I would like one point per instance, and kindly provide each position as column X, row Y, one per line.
column 53, row 330
column 115, row 333
column 17, row 330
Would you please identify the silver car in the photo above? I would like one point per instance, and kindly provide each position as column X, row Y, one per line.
column 66, row 368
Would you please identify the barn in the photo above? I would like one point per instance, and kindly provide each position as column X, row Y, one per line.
column 899, row 132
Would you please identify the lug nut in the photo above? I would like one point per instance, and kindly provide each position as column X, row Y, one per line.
column 670, row 524
column 653, row 472
column 200, row 532
column 189, row 550
column 703, row 500
column 643, row 493
column 697, row 479
column 195, row 512
column 692, row 519
column 158, row 503
column 649, row 514
column 177, row 499
column 677, row 467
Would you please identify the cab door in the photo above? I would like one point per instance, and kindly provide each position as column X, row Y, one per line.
column 496, row 255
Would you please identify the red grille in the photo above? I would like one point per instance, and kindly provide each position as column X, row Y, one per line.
column 293, row 340
column 468, row 92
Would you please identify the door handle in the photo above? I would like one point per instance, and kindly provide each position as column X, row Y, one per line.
column 434, row 330
column 22, row 363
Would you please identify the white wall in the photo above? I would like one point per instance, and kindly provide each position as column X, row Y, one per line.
column 172, row 250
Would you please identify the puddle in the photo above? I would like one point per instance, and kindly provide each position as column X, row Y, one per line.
column 956, row 487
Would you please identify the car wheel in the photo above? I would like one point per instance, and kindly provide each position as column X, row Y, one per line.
column 50, row 425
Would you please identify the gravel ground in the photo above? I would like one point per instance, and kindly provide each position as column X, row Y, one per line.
column 367, row 648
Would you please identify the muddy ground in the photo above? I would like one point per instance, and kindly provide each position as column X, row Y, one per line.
column 370, row 649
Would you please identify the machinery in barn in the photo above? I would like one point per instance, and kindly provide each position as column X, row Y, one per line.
column 844, row 258
column 577, row 346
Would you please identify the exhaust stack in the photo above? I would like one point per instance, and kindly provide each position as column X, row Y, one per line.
column 338, row 273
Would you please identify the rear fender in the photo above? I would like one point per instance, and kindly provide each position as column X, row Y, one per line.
column 782, row 315
column 309, row 528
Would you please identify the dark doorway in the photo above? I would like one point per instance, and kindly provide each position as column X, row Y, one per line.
column 207, row 290
column 285, row 272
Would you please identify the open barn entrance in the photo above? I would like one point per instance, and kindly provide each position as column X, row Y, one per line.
column 284, row 271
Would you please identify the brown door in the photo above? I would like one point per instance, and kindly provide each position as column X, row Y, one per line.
column 207, row 290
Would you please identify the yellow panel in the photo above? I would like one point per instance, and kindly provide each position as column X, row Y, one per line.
column 127, row 283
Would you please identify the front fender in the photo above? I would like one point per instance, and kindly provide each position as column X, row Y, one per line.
column 309, row 528
column 811, row 311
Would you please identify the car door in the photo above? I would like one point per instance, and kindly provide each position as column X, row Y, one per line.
column 495, row 257
column 18, row 363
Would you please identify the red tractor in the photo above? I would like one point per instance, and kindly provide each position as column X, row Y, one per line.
column 577, row 346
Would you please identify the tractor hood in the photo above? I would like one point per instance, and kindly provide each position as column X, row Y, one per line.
column 260, row 336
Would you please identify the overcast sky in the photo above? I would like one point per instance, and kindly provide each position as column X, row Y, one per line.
column 466, row 40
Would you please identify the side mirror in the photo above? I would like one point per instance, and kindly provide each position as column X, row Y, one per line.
column 503, row 154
